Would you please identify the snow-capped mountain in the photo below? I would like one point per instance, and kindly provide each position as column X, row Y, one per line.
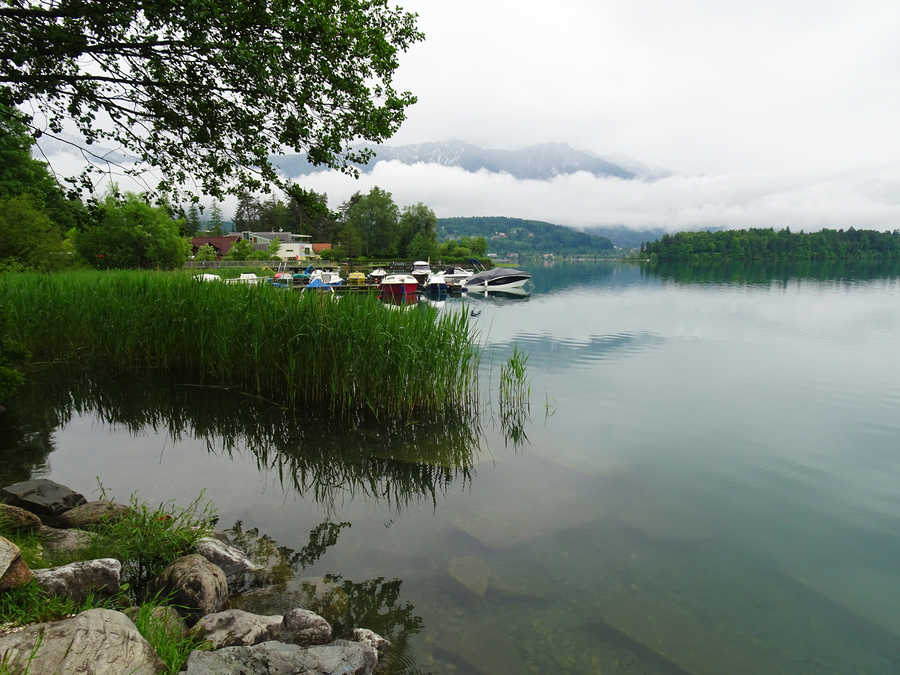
column 539, row 162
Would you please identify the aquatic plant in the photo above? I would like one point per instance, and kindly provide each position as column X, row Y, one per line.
column 347, row 358
column 515, row 397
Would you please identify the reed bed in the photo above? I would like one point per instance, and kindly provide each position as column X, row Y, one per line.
column 347, row 357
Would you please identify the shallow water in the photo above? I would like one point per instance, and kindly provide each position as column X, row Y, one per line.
column 710, row 481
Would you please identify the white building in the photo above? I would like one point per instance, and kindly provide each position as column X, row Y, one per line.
column 291, row 246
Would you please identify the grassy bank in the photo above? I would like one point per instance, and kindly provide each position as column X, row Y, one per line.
column 348, row 357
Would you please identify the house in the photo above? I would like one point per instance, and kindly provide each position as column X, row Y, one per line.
column 221, row 244
column 318, row 248
column 291, row 246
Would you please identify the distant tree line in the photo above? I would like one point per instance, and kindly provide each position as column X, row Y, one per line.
column 525, row 237
column 769, row 245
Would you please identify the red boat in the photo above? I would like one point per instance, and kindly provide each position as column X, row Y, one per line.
column 396, row 286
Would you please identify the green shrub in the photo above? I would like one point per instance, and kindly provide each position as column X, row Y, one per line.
column 171, row 644
column 147, row 539
column 29, row 603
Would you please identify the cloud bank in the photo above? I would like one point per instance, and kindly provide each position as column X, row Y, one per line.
column 862, row 200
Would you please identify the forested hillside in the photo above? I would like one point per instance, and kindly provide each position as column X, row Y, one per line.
column 771, row 246
column 525, row 237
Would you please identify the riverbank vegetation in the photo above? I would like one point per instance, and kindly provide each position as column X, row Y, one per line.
column 769, row 245
column 350, row 357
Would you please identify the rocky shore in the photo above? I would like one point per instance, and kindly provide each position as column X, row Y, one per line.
column 199, row 585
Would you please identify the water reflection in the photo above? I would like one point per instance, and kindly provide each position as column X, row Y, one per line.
column 346, row 604
column 769, row 273
column 547, row 351
column 398, row 464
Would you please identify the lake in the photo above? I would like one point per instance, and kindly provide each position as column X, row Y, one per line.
column 707, row 479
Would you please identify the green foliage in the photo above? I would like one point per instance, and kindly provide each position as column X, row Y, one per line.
column 215, row 219
column 206, row 253
column 147, row 539
column 374, row 216
column 300, row 349
column 242, row 249
column 274, row 247
column 418, row 232
column 767, row 245
column 172, row 645
column 131, row 234
column 10, row 351
column 525, row 237
column 215, row 89
column 29, row 603
column 27, row 235
column 192, row 223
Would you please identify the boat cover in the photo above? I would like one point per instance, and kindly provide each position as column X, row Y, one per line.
column 488, row 275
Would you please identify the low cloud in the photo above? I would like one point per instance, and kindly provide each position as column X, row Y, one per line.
column 870, row 200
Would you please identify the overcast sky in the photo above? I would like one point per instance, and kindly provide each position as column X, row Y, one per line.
column 781, row 113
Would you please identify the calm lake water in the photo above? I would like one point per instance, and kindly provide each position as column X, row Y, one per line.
column 708, row 481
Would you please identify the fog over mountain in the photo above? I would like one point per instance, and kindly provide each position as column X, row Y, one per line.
column 536, row 162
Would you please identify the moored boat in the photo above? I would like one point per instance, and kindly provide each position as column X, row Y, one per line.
column 356, row 279
column 498, row 279
column 398, row 286
column 436, row 285
column 325, row 278
column 377, row 275
column 421, row 270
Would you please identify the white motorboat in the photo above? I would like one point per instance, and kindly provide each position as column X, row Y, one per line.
column 421, row 270
column 497, row 279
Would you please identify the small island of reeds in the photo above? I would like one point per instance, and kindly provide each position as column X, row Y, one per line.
column 350, row 357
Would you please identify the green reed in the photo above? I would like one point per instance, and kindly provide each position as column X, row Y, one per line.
column 515, row 397
column 347, row 357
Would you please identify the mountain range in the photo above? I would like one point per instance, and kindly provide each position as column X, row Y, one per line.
column 536, row 162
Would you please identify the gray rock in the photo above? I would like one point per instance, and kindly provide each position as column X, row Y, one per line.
column 303, row 627
column 76, row 580
column 237, row 628
column 471, row 572
column 13, row 570
column 196, row 584
column 93, row 513
column 43, row 497
column 341, row 657
column 240, row 572
column 371, row 638
column 19, row 519
column 99, row 641
column 65, row 541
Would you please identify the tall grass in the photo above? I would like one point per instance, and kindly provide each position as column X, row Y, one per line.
column 515, row 397
column 349, row 358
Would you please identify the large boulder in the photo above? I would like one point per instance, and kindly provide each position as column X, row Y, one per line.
column 78, row 579
column 235, row 627
column 99, row 641
column 240, row 572
column 13, row 570
column 93, row 513
column 18, row 519
column 43, row 497
column 277, row 658
column 303, row 627
column 65, row 542
column 196, row 584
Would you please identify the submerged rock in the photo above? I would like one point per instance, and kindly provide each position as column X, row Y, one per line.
column 65, row 541
column 18, row 519
column 277, row 658
column 93, row 513
column 304, row 627
column 470, row 571
column 13, row 570
column 236, row 628
column 240, row 572
column 373, row 639
column 78, row 579
column 196, row 584
column 43, row 497
column 99, row 641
